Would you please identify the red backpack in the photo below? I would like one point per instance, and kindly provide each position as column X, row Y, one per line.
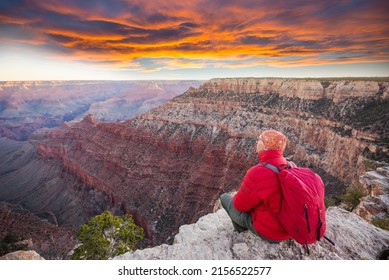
column 302, row 208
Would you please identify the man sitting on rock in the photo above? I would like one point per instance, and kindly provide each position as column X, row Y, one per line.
column 258, row 200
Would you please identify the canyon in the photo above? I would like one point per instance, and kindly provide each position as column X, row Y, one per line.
column 28, row 106
column 169, row 165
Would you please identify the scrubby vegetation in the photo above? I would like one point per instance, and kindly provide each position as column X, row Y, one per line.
column 105, row 236
column 352, row 196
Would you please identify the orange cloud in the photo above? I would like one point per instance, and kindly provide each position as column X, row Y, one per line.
column 227, row 33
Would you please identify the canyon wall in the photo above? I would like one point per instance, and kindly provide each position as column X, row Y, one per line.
column 168, row 166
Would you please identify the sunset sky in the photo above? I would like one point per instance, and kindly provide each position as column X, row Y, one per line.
column 169, row 39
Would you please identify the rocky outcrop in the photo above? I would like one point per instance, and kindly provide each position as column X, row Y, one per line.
column 168, row 166
column 35, row 231
column 376, row 203
column 22, row 255
column 213, row 237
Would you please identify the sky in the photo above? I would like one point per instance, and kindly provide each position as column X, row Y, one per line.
column 170, row 39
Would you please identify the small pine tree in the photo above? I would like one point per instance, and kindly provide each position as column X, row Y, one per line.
column 105, row 236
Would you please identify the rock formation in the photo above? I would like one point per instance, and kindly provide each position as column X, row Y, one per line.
column 376, row 203
column 36, row 233
column 214, row 238
column 22, row 255
column 168, row 166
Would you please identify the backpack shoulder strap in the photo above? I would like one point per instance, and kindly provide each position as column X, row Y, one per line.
column 272, row 167
column 279, row 168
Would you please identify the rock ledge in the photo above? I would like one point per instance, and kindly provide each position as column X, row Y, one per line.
column 213, row 237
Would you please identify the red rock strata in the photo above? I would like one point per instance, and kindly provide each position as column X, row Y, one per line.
column 164, row 178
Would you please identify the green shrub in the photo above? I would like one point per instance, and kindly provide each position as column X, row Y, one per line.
column 381, row 223
column 105, row 236
column 352, row 196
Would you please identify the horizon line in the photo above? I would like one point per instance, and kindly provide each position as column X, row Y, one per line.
column 383, row 78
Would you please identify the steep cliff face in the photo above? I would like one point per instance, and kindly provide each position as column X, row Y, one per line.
column 163, row 178
column 169, row 165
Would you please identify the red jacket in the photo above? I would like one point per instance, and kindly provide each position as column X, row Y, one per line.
column 260, row 194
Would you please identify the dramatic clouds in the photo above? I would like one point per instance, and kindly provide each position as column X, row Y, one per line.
column 158, row 35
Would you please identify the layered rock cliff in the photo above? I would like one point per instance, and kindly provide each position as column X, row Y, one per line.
column 162, row 183
column 168, row 166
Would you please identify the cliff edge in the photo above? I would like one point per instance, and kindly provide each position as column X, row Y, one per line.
column 213, row 237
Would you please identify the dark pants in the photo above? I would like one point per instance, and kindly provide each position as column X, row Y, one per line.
column 240, row 220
